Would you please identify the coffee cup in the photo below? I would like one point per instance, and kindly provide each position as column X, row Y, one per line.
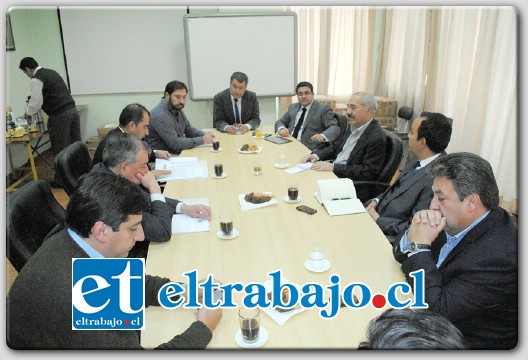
column 216, row 145
column 218, row 169
column 249, row 324
column 226, row 224
column 293, row 191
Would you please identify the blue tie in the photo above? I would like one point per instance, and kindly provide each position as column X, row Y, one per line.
column 237, row 115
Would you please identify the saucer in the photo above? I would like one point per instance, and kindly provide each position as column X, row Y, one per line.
column 309, row 266
column 219, row 149
column 258, row 138
column 287, row 199
column 281, row 166
column 224, row 175
column 233, row 235
column 262, row 339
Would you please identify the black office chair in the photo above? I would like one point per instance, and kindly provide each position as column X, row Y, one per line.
column 392, row 161
column 71, row 163
column 33, row 215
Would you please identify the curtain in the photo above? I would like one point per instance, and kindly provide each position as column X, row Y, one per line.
column 460, row 61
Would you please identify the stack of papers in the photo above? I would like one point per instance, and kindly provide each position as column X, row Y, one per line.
column 183, row 223
column 182, row 168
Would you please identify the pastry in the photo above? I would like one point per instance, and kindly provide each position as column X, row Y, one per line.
column 247, row 147
column 257, row 198
column 285, row 296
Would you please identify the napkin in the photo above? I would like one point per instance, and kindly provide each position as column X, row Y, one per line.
column 299, row 167
column 279, row 317
column 244, row 205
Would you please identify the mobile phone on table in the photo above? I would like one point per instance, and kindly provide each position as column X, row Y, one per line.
column 306, row 209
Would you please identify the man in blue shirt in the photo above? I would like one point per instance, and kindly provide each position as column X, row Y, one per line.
column 467, row 247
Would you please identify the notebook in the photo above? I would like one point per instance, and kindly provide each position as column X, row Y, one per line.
column 277, row 139
column 338, row 196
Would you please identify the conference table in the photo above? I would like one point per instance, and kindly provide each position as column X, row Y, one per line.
column 270, row 238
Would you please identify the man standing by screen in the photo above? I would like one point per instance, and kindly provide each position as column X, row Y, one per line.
column 236, row 110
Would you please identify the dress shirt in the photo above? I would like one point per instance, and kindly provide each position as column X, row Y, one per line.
column 92, row 253
column 239, row 105
column 299, row 113
column 355, row 134
column 451, row 243
column 37, row 99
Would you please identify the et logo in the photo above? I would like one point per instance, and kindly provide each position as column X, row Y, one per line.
column 108, row 294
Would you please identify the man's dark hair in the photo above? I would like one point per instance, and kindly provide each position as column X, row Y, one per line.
column 103, row 197
column 436, row 130
column 28, row 62
column 132, row 112
column 470, row 174
column 302, row 84
column 239, row 76
column 412, row 329
column 175, row 85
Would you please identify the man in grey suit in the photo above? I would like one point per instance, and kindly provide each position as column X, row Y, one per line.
column 309, row 121
column 411, row 192
column 236, row 110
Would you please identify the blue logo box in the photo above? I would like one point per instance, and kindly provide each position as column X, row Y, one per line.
column 108, row 294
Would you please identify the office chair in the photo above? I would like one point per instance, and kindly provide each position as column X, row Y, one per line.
column 392, row 161
column 405, row 113
column 71, row 163
column 33, row 215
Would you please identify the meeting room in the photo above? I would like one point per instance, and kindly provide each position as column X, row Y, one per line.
column 277, row 177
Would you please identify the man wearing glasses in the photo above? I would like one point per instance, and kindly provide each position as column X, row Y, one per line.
column 309, row 121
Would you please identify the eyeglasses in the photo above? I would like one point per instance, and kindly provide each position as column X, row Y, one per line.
column 306, row 93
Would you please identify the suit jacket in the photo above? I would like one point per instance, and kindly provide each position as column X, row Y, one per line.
column 476, row 286
column 157, row 224
column 39, row 307
column 410, row 193
column 224, row 114
column 320, row 120
column 366, row 159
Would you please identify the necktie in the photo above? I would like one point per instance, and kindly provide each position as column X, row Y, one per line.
column 416, row 165
column 237, row 115
column 299, row 123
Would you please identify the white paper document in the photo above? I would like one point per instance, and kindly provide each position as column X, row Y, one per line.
column 183, row 223
column 299, row 167
column 338, row 196
column 182, row 168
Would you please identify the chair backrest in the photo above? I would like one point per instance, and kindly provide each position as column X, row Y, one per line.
column 71, row 163
column 405, row 112
column 392, row 158
column 342, row 121
column 33, row 214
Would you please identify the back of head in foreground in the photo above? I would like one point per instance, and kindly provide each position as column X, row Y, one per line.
column 412, row 329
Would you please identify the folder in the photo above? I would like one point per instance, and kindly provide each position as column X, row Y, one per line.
column 338, row 196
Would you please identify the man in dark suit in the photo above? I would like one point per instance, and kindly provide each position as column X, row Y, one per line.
column 127, row 156
column 134, row 119
column 467, row 247
column 359, row 153
column 236, row 110
column 393, row 209
column 309, row 121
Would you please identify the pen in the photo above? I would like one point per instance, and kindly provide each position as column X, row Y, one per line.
column 341, row 198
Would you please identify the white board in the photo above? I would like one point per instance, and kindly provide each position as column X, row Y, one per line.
column 123, row 49
column 263, row 46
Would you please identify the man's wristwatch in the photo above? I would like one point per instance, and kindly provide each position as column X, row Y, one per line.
column 413, row 246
